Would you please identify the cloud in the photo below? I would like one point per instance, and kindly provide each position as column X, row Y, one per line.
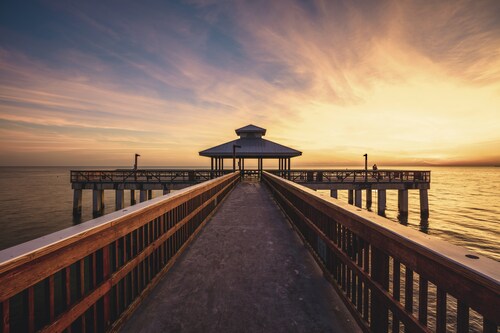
column 336, row 76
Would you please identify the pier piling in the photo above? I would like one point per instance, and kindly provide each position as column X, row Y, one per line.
column 143, row 195
column 403, row 202
column 119, row 199
column 358, row 198
column 350, row 196
column 381, row 202
column 368, row 198
column 97, row 202
column 132, row 197
column 334, row 193
column 424, row 204
column 77, row 202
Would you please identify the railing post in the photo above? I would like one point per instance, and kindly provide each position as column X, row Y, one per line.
column 380, row 274
column 106, row 273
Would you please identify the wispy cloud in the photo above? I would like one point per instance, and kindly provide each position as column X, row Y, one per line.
column 328, row 77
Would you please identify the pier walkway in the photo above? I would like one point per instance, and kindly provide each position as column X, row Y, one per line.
column 246, row 272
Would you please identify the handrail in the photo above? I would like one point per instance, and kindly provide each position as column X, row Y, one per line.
column 93, row 275
column 145, row 175
column 297, row 175
column 354, row 176
column 379, row 267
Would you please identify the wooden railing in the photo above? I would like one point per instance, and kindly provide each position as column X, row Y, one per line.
column 90, row 277
column 392, row 278
column 355, row 176
column 145, row 176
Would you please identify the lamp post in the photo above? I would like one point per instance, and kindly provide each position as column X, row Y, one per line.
column 366, row 167
column 234, row 156
column 135, row 161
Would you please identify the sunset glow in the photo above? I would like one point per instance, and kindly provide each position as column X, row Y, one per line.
column 408, row 82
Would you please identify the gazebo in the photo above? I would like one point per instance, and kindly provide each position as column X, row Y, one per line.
column 250, row 145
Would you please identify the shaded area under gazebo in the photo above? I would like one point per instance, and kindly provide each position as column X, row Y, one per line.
column 250, row 145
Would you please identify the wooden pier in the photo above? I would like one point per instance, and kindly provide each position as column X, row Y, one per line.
column 93, row 276
column 354, row 181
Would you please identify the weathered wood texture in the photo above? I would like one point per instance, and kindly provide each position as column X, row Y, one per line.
column 87, row 277
column 387, row 273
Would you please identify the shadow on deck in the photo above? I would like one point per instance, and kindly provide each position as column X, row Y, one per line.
column 246, row 272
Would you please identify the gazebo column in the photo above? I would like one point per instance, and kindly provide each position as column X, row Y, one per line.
column 289, row 166
column 211, row 167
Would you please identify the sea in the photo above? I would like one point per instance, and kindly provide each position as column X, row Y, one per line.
column 464, row 205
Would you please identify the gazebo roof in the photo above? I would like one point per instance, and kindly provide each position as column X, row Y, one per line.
column 252, row 146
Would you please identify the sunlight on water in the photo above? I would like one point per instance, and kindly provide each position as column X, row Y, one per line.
column 464, row 205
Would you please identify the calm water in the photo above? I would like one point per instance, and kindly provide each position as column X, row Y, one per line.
column 464, row 205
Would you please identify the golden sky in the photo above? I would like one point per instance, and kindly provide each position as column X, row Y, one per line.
column 88, row 83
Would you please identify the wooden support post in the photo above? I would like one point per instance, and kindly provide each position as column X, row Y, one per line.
column 424, row 204
column 166, row 191
column 368, row 198
column 6, row 316
column 358, row 198
column 150, row 194
column 381, row 202
column 106, row 272
column 102, row 201
column 211, row 168
column 132, row 197
column 350, row 196
column 143, row 195
column 97, row 204
column 380, row 274
column 289, row 167
column 77, row 202
column 334, row 193
column 403, row 202
column 119, row 199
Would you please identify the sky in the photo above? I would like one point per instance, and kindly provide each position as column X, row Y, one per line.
column 90, row 83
